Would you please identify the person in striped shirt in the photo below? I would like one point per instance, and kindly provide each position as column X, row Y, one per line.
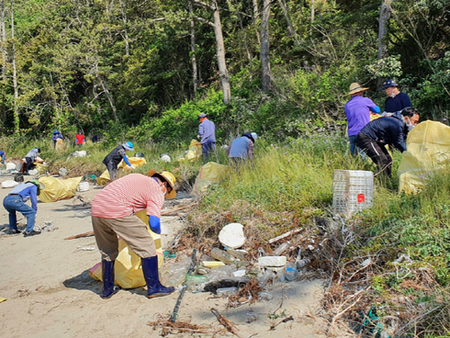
column 113, row 214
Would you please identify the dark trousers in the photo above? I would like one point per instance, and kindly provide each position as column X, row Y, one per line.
column 29, row 164
column 377, row 152
column 112, row 169
column 208, row 147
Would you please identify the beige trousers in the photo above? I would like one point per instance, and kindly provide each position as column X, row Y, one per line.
column 130, row 228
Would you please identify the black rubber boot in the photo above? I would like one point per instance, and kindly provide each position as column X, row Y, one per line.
column 108, row 280
column 155, row 288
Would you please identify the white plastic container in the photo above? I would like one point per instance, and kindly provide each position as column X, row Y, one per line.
column 352, row 190
column 83, row 186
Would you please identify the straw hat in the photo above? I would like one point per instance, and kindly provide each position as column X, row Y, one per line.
column 355, row 87
column 167, row 177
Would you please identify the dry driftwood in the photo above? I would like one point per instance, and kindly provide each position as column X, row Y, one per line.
column 287, row 234
column 86, row 234
column 225, row 322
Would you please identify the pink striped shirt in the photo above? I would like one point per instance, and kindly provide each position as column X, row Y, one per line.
column 128, row 195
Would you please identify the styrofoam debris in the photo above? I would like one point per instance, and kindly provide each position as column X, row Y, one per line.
column 33, row 172
column 272, row 261
column 9, row 184
column 232, row 235
column 10, row 166
column 239, row 273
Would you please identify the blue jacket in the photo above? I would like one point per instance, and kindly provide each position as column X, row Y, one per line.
column 241, row 147
column 390, row 130
column 27, row 191
column 206, row 130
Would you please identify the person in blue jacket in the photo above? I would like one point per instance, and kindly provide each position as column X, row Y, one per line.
column 15, row 202
column 207, row 135
column 388, row 130
column 113, row 159
column 241, row 149
column 397, row 100
column 3, row 156
column 56, row 135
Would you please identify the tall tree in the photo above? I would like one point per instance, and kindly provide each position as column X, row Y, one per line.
column 385, row 15
column 220, row 46
column 265, row 47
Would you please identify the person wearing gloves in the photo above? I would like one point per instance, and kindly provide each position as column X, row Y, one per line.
column 357, row 110
column 113, row 214
column 30, row 158
column 56, row 135
column 207, row 136
column 3, row 156
column 391, row 130
column 15, row 202
column 397, row 100
column 241, row 149
column 113, row 159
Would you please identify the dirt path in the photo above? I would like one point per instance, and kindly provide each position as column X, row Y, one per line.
column 50, row 293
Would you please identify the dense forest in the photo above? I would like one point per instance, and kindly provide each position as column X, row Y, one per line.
column 146, row 68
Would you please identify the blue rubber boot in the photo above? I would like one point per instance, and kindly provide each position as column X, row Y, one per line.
column 108, row 280
column 150, row 269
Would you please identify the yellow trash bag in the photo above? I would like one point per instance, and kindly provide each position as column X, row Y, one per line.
column 127, row 268
column 42, row 168
column 428, row 150
column 56, row 189
column 209, row 174
column 136, row 161
column 59, row 144
column 194, row 152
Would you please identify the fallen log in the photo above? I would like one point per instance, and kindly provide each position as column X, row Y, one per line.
column 287, row 234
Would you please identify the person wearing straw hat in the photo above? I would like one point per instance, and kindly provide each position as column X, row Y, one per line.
column 357, row 110
column 113, row 214
column 206, row 133
column 113, row 159
column 15, row 202
column 397, row 100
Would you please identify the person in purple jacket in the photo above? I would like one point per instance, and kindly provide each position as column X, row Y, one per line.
column 206, row 133
column 15, row 201
column 357, row 110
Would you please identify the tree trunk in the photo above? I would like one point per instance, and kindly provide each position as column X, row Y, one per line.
column 125, row 24
column 288, row 20
column 385, row 15
column 3, row 39
column 265, row 61
column 312, row 16
column 193, row 60
column 15, row 86
column 224, row 76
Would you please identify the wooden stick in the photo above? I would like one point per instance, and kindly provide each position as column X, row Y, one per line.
column 176, row 209
column 225, row 322
column 86, row 234
column 90, row 233
column 287, row 234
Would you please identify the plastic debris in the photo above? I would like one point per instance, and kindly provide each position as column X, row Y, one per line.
column 281, row 249
column 272, row 261
column 232, row 235
column 10, row 166
column 9, row 184
column 225, row 292
column 239, row 273
column 221, row 255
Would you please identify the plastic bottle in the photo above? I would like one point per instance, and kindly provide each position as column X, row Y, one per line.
column 282, row 248
column 291, row 272
column 268, row 274
column 225, row 292
column 221, row 255
column 235, row 253
column 302, row 263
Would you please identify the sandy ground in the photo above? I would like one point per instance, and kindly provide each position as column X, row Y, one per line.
column 50, row 293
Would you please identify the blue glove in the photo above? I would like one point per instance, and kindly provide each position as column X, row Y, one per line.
column 155, row 224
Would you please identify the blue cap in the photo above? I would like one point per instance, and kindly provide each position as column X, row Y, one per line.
column 389, row 83
column 55, row 132
column 254, row 136
column 128, row 146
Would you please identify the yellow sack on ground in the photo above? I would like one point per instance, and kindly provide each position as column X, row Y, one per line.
column 194, row 152
column 127, row 268
column 56, row 189
column 209, row 174
column 136, row 161
column 42, row 168
column 428, row 150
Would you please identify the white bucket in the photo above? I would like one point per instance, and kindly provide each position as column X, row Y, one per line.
column 83, row 186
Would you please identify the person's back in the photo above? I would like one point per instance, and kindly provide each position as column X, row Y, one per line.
column 115, row 155
column 239, row 147
column 387, row 130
